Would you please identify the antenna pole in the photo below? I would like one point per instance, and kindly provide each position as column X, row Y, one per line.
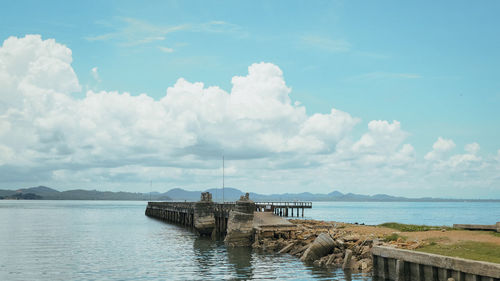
column 222, row 179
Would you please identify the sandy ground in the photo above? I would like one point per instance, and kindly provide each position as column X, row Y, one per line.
column 450, row 236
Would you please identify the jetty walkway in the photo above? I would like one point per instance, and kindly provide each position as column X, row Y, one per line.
column 235, row 220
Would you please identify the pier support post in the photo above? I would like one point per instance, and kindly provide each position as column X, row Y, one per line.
column 240, row 224
column 204, row 219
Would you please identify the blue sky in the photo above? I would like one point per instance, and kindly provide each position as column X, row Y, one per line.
column 432, row 66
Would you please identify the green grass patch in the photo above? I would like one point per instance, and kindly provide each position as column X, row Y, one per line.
column 497, row 234
column 412, row 227
column 394, row 237
column 480, row 251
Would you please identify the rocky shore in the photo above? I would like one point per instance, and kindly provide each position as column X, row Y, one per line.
column 329, row 244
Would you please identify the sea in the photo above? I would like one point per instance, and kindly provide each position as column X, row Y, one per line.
column 114, row 240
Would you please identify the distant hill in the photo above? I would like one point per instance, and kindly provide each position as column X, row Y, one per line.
column 21, row 196
column 233, row 194
column 46, row 193
column 230, row 194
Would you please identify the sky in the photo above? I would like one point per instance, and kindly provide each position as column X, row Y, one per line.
column 299, row 96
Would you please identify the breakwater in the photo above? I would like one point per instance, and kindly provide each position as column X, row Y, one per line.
column 234, row 220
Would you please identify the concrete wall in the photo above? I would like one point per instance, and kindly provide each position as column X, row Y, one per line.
column 493, row 227
column 404, row 265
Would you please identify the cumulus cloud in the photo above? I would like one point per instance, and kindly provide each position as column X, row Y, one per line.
column 190, row 123
column 47, row 135
column 442, row 160
column 472, row 148
column 440, row 148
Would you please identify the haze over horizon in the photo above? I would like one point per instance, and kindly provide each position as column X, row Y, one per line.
column 332, row 96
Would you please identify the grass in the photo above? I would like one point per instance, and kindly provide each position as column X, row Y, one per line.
column 435, row 240
column 497, row 234
column 394, row 237
column 480, row 251
column 412, row 227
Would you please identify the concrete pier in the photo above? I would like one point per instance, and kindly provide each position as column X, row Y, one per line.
column 234, row 219
column 240, row 230
column 204, row 218
column 405, row 265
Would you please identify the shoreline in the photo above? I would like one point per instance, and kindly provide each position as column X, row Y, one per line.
column 348, row 246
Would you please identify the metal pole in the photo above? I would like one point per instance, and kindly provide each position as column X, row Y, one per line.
column 222, row 179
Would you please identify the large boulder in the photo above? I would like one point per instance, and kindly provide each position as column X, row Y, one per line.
column 322, row 246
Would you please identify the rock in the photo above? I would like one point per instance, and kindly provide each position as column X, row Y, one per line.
column 451, row 279
column 287, row 248
column 337, row 250
column 364, row 265
column 299, row 250
column 330, row 260
column 256, row 244
column 365, row 252
column 352, row 237
column 347, row 259
column 321, row 246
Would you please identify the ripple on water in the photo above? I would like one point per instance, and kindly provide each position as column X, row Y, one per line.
column 96, row 240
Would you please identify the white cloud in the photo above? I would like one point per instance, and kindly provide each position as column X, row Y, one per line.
column 48, row 136
column 256, row 119
column 95, row 74
column 472, row 148
column 439, row 148
column 133, row 32
column 166, row 49
column 326, row 43
column 387, row 75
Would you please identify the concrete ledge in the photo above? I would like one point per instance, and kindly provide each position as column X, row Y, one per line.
column 457, row 264
column 492, row 227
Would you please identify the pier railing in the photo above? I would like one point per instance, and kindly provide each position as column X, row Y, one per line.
column 283, row 209
column 286, row 204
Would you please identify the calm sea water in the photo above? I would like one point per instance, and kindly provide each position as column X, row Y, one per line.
column 114, row 240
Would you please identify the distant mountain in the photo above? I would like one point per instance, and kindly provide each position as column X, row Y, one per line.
column 230, row 194
column 39, row 190
column 233, row 194
column 22, row 196
column 43, row 192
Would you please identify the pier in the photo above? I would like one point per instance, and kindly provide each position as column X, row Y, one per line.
column 283, row 209
column 237, row 221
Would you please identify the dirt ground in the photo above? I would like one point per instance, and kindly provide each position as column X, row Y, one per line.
column 449, row 236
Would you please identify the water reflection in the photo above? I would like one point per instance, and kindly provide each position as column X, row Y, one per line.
column 204, row 253
column 85, row 241
column 240, row 260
